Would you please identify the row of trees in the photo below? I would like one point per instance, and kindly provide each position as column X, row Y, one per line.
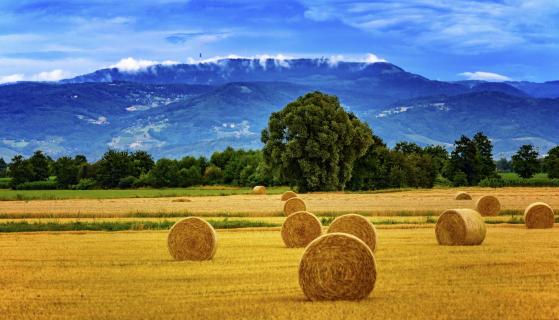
column 527, row 162
column 407, row 165
column 122, row 169
column 312, row 144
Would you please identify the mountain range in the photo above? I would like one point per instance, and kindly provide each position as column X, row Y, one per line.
column 198, row 108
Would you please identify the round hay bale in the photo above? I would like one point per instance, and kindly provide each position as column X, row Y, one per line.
column 462, row 196
column 539, row 215
column 259, row 190
column 337, row 266
column 300, row 228
column 192, row 239
column 288, row 195
column 294, row 205
column 488, row 206
column 460, row 227
column 356, row 225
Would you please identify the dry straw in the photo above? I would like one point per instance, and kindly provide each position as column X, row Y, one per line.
column 337, row 266
column 356, row 225
column 294, row 205
column 539, row 215
column 259, row 190
column 460, row 227
column 488, row 206
column 288, row 195
column 300, row 228
column 462, row 196
column 192, row 239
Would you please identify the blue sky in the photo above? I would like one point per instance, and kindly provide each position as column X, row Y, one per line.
column 446, row 40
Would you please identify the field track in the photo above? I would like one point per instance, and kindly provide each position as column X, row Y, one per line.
column 124, row 275
column 417, row 202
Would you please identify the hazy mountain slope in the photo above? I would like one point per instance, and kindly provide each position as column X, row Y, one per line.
column 169, row 120
column 199, row 108
column 365, row 85
column 509, row 121
column 548, row 89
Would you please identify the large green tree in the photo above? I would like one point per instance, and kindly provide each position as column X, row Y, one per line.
column 3, row 168
column 40, row 164
column 21, row 171
column 66, row 170
column 408, row 148
column 142, row 162
column 190, row 177
column 312, row 143
column 471, row 160
column 165, row 173
column 369, row 171
column 113, row 166
column 484, row 147
column 551, row 163
column 439, row 155
column 464, row 161
column 525, row 162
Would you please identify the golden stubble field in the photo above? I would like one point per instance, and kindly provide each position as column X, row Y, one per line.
column 129, row 275
column 416, row 202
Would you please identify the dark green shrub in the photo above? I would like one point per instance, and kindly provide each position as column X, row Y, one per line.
column 213, row 175
column 86, row 184
column 145, row 180
column 5, row 183
column 460, row 179
column 127, row 182
column 442, row 181
column 38, row 185
column 493, row 182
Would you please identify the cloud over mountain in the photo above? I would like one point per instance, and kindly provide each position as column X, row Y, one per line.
column 485, row 76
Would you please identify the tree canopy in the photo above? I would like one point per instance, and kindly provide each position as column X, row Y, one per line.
column 313, row 142
column 525, row 162
column 470, row 161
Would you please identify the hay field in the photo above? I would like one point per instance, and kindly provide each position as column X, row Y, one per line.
column 415, row 202
column 125, row 275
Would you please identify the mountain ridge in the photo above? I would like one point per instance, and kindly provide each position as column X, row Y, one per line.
column 174, row 110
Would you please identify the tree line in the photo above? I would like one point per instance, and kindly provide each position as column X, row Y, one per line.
column 123, row 169
column 313, row 144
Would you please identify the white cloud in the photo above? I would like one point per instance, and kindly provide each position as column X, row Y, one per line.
column 283, row 60
column 278, row 59
column 134, row 65
column 485, row 76
column 53, row 75
column 459, row 25
column 334, row 60
column 12, row 78
column 15, row 143
column 369, row 58
column 372, row 58
column 29, row 67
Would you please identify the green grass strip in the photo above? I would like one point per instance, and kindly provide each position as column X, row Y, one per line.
column 25, row 226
